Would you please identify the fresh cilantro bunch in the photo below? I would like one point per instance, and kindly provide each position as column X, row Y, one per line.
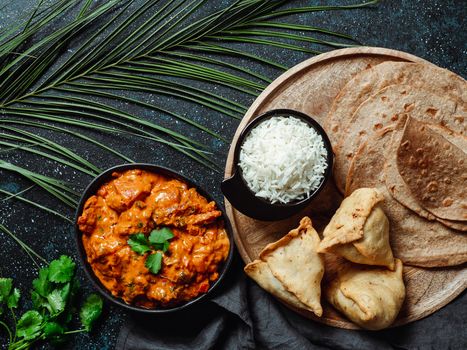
column 157, row 243
column 53, row 297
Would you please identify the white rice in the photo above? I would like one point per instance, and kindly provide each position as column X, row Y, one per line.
column 283, row 160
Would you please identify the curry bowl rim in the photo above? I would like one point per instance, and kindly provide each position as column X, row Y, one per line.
column 106, row 176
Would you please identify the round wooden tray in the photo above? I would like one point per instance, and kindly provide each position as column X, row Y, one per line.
column 311, row 87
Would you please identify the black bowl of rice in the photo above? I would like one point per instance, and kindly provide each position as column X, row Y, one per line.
column 283, row 159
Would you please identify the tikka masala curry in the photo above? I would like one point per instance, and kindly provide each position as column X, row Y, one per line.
column 137, row 201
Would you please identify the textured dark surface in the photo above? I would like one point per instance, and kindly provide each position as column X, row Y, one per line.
column 433, row 29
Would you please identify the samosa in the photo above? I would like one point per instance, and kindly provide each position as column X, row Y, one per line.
column 359, row 230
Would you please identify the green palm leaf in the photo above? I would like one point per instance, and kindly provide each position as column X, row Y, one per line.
column 162, row 47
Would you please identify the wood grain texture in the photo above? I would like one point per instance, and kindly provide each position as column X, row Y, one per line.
column 310, row 87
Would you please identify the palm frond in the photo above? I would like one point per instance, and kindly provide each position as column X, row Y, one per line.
column 27, row 249
column 162, row 47
column 41, row 153
column 100, row 93
column 67, row 131
column 32, row 138
column 56, row 188
column 34, row 204
column 295, row 27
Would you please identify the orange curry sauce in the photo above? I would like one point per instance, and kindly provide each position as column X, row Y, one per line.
column 139, row 201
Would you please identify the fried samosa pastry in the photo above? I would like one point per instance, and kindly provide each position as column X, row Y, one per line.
column 295, row 263
column 369, row 296
column 260, row 272
column 359, row 230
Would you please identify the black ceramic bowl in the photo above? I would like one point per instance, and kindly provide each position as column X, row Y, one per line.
column 92, row 189
column 238, row 193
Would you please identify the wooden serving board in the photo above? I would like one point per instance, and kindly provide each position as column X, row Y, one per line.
column 311, row 87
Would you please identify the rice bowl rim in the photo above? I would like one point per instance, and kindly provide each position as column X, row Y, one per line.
column 282, row 112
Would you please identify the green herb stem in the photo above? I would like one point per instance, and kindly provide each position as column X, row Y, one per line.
column 10, row 335
column 76, row 331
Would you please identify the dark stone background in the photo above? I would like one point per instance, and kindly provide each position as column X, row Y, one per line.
column 433, row 29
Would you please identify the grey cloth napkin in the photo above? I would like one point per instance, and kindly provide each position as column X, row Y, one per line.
column 242, row 316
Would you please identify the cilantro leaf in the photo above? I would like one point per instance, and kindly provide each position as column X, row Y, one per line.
column 71, row 296
column 75, row 285
column 91, row 310
column 13, row 299
column 56, row 302
column 162, row 246
column 52, row 329
column 29, row 325
column 154, row 262
column 65, row 291
column 160, row 236
column 5, row 288
column 41, row 284
column 37, row 300
column 61, row 270
column 139, row 243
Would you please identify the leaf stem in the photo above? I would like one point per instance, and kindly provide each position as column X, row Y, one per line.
column 13, row 316
column 23, row 245
column 8, row 330
column 13, row 195
column 22, row 199
column 76, row 331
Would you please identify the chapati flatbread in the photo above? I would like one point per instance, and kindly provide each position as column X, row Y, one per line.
column 414, row 240
column 424, row 76
column 385, row 108
column 399, row 189
column 365, row 168
column 434, row 169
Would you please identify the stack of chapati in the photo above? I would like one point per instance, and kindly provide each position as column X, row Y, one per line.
column 401, row 127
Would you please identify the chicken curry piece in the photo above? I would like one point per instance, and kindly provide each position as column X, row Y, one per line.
column 138, row 201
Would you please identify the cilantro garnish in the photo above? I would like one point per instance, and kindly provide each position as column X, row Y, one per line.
column 139, row 243
column 61, row 270
column 91, row 311
column 5, row 288
column 53, row 299
column 42, row 285
column 160, row 236
column 158, row 241
column 56, row 302
column 53, row 329
column 154, row 262
column 13, row 299
column 29, row 325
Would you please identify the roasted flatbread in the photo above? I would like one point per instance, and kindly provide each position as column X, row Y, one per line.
column 295, row 262
column 398, row 188
column 415, row 240
column 420, row 76
column 365, row 167
column 370, row 81
column 359, row 230
column 434, row 169
column 369, row 296
column 260, row 272
column 388, row 106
